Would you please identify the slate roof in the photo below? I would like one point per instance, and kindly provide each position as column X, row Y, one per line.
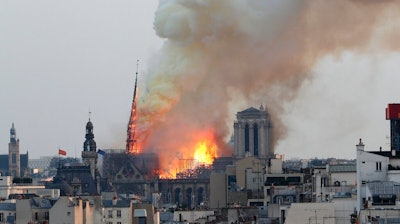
column 66, row 175
column 386, row 154
column 4, row 163
column 6, row 206
column 341, row 168
column 41, row 203
column 384, row 187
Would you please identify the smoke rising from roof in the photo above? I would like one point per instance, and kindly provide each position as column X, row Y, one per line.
column 220, row 57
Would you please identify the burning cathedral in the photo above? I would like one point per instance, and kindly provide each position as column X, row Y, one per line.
column 137, row 173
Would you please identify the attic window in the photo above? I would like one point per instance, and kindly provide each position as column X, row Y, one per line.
column 378, row 166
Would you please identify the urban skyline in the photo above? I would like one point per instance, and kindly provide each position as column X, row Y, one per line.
column 63, row 61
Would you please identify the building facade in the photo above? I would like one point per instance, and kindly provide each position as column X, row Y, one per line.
column 81, row 178
column 253, row 133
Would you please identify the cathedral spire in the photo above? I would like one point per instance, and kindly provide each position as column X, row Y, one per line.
column 130, row 141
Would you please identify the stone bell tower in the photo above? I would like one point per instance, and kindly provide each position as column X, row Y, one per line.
column 253, row 133
column 14, row 164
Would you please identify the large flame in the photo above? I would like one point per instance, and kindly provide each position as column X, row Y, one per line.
column 205, row 152
column 200, row 150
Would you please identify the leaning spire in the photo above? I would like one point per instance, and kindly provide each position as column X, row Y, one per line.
column 130, row 141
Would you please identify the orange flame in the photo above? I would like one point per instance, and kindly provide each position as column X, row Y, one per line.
column 205, row 152
column 200, row 150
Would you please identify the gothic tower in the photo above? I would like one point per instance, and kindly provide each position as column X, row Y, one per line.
column 89, row 154
column 253, row 133
column 14, row 164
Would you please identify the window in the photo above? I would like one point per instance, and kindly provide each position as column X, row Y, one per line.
column 324, row 182
column 109, row 213
column 118, row 213
column 142, row 220
column 46, row 215
column 255, row 132
column 1, row 217
column 36, row 216
column 379, row 166
column 246, row 138
column 14, row 158
column 119, row 223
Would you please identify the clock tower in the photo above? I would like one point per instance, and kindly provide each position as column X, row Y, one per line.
column 89, row 153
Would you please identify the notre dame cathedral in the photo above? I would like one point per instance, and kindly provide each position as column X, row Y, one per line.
column 253, row 134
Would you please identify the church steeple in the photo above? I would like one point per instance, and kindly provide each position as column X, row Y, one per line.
column 89, row 153
column 89, row 144
column 13, row 134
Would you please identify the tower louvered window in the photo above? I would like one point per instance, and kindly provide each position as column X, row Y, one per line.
column 246, row 138
column 255, row 128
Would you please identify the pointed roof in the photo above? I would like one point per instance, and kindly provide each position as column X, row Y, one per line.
column 89, row 144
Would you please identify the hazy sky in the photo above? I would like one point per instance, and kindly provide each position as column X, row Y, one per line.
column 60, row 60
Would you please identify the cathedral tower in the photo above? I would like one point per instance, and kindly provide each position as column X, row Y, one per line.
column 253, row 133
column 14, row 164
column 89, row 153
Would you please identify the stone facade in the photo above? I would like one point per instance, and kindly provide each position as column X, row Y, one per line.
column 14, row 162
column 253, row 134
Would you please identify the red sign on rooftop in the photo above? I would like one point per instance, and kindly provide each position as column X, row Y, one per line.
column 393, row 111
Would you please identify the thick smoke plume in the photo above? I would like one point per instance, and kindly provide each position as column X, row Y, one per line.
column 221, row 57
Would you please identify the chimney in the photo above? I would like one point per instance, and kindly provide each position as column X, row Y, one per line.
column 114, row 200
column 360, row 146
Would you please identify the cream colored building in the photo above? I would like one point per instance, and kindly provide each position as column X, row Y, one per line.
column 311, row 213
column 7, row 212
column 144, row 213
column 218, row 190
column 250, row 173
column 77, row 210
column 116, row 211
column 7, row 187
